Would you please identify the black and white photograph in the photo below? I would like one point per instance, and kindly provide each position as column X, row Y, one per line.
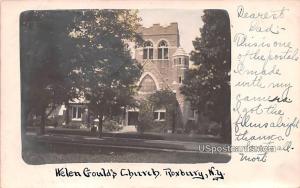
column 125, row 86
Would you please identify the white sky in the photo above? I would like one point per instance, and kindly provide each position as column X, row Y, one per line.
column 189, row 22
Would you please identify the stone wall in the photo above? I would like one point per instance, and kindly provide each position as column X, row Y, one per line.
column 164, row 72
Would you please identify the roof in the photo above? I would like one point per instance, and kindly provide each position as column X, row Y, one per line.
column 180, row 52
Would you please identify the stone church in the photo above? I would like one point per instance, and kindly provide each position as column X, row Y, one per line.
column 165, row 65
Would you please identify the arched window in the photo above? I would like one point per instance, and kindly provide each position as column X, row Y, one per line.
column 163, row 50
column 147, row 85
column 148, row 50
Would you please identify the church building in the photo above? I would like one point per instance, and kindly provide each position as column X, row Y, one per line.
column 165, row 65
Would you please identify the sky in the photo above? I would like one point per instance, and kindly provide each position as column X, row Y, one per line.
column 189, row 22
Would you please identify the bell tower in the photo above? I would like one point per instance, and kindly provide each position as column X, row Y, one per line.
column 180, row 64
column 180, row 69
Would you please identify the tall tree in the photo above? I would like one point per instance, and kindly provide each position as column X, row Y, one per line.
column 45, row 62
column 208, row 85
column 106, row 69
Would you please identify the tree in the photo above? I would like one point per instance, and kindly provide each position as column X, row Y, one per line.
column 207, row 86
column 145, row 117
column 105, row 67
column 46, row 50
column 69, row 54
column 160, row 99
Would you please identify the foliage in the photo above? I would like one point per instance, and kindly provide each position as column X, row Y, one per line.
column 105, row 67
column 160, row 99
column 73, row 126
column 207, row 86
column 145, row 121
column 166, row 99
column 45, row 62
column 163, row 99
column 190, row 126
column 77, row 54
column 111, row 125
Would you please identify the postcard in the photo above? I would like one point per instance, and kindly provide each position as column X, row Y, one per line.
column 150, row 94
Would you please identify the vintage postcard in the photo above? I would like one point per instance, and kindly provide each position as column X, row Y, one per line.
column 150, row 94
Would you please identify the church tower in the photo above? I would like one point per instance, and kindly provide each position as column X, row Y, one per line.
column 165, row 65
column 180, row 69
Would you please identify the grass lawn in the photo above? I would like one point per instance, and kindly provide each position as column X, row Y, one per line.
column 41, row 153
column 146, row 135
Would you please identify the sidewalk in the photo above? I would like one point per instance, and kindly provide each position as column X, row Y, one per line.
column 145, row 135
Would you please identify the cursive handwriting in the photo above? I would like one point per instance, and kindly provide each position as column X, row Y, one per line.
column 272, row 14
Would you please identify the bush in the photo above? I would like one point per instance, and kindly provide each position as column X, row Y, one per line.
column 214, row 129
column 145, row 122
column 111, row 125
column 190, row 126
column 35, row 122
column 94, row 129
column 72, row 126
column 52, row 122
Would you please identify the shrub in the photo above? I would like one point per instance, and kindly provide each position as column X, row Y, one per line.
column 214, row 128
column 51, row 122
column 73, row 126
column 94, row 129
column 190, row 126
column 145, row 121
column 111, row 125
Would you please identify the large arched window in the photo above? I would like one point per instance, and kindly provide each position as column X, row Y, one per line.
column 163, row 50
column 147, row 85
column 148, row 50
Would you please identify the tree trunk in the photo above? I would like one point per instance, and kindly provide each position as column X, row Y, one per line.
column 25, row 120
column 100, row 122
column 67, row 114
column 226, row 130
column 173, row 121
column 88, row 121
column 43, row 122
